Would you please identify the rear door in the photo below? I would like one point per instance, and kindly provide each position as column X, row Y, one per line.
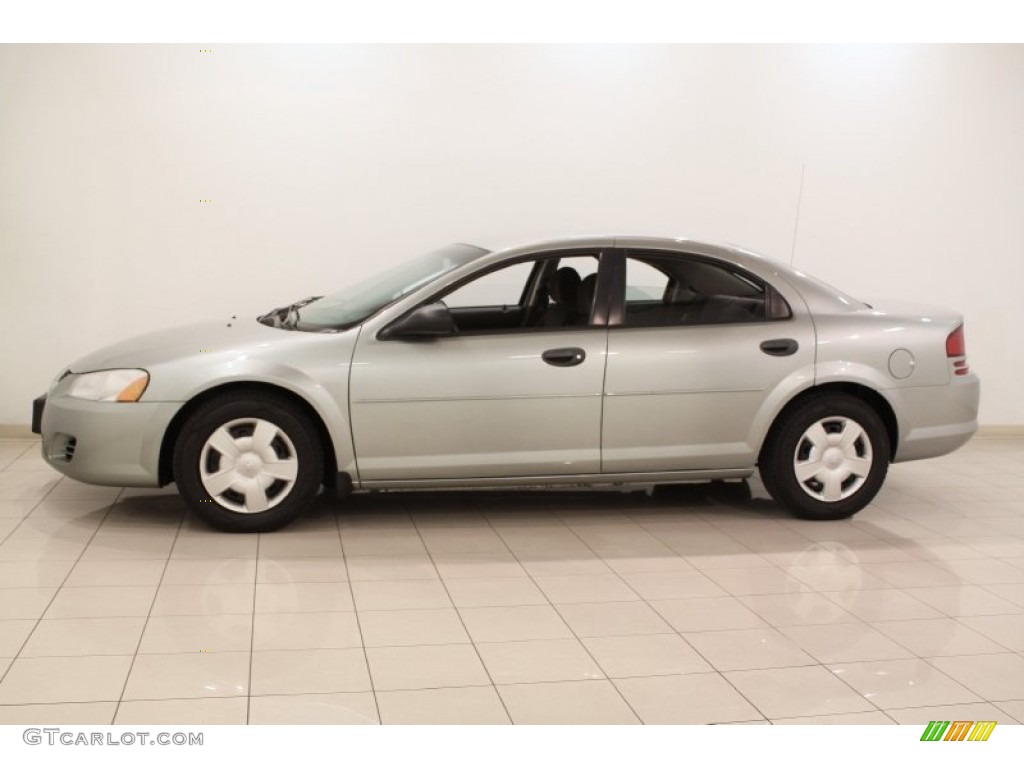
column 695, row 348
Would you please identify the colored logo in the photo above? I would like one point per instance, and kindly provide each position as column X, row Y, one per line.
column 958, row 730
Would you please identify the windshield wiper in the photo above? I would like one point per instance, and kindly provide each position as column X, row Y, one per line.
column 291, row 318
column 286, row 317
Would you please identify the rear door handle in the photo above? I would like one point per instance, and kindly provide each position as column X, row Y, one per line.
column 564, row 356
column 779, row 347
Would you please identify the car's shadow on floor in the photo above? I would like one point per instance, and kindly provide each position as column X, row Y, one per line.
column 736, row 498
column 731, row 501
column 726, row 500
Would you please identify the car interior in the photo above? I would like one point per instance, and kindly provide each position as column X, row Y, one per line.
column 659, row 292
column 554, row 295
column 691, row 292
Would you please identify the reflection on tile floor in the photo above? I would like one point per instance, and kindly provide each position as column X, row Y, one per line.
column 704, row 604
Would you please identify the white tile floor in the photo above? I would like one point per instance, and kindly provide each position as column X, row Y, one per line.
column 695, row 606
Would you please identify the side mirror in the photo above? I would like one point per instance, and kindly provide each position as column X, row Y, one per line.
column 428, row 321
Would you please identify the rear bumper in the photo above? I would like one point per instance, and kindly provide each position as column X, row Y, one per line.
column 936, row 420
column 105, row 443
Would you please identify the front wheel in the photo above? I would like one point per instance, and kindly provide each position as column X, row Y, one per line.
column 827, row 457
column 248, row 463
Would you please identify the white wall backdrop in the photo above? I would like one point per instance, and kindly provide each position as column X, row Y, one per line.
column 323, row 164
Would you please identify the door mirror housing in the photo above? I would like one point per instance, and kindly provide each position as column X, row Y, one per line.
column 426, row 322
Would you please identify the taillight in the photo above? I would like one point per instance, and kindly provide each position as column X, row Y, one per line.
column 956, row 346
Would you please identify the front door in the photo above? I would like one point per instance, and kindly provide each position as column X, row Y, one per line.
column 516, row 391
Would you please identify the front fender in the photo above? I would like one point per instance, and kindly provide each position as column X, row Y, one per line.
column 321, row 381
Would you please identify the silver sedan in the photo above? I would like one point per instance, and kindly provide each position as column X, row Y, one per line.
column 605, row 360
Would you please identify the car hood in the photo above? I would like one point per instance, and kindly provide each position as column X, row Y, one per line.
column 181, row 342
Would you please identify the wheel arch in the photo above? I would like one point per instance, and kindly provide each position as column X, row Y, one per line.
column 173, row 431
column 871, row 397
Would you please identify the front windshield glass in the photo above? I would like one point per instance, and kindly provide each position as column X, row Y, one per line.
column 357, row 302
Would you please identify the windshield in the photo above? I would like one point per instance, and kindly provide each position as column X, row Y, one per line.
column 357, row 302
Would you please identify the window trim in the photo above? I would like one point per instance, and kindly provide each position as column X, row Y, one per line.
column 598, row 315
column 617, row 300
column 527, row 292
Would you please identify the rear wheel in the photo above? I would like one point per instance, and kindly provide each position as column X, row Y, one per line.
column 249, row 463
column 827, row 457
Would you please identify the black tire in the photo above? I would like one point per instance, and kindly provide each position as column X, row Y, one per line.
column 295, row 444
column 790, row 444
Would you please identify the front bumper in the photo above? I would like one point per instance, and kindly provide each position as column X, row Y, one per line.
column 105, row 443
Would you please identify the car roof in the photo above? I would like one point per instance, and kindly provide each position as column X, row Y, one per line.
column 509, row 243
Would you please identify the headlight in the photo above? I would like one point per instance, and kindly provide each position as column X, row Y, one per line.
column 122, row 385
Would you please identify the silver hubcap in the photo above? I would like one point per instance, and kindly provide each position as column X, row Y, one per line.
column 248, row 465
column 832, row 459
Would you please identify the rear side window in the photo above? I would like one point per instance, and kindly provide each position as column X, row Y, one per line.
column 669, row 290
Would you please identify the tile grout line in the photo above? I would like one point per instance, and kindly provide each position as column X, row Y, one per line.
column 554, row 607
column 56, row 591
column 890, row 540
column 355, row 611
column 149, row 614
column 252, row 629
column 770, row 625
column 4, row 538
column 462, row 621
column 676, row 632
column 721, row 674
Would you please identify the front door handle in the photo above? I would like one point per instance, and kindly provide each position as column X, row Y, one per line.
column 564, row 356
column 779, row 347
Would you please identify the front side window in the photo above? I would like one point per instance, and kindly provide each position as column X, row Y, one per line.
column 668, row 290
column 501, row 288
column 547, row 292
